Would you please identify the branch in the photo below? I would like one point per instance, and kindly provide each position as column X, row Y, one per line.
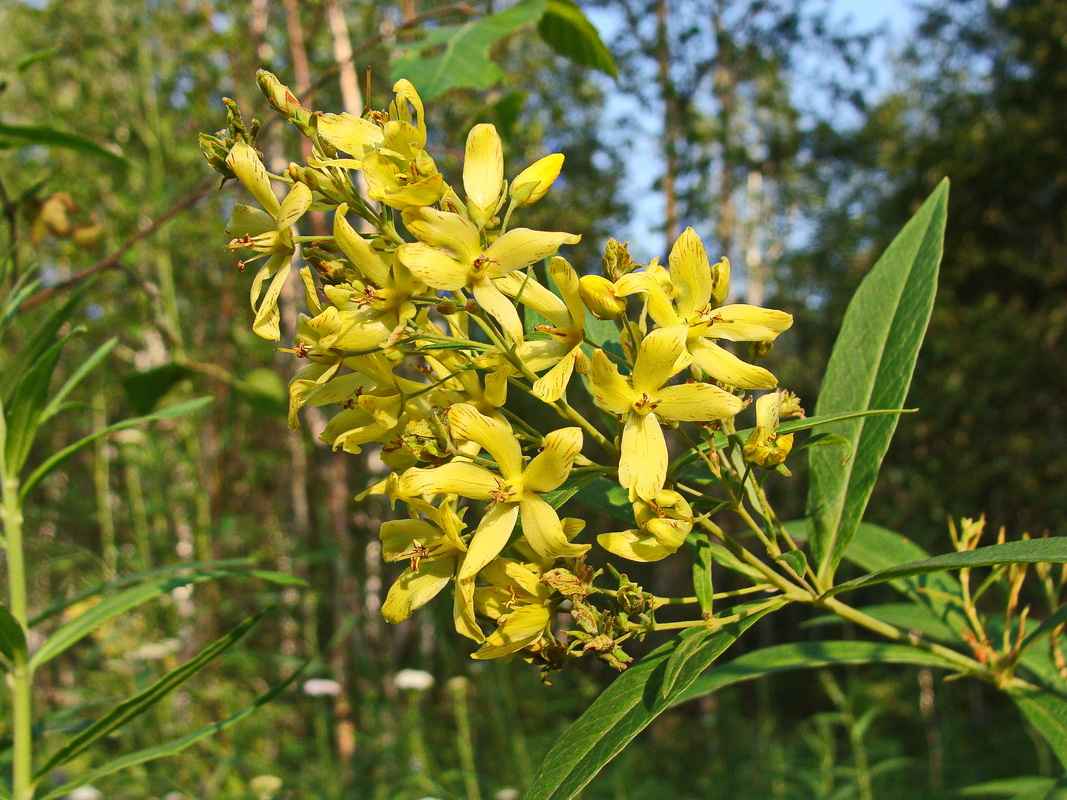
column 111, row 261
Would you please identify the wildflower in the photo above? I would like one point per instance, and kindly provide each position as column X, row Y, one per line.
column 414, row 680
column 764, row 447
column 449, row 256
column 515, row 492
column 662, row 525
column 645, row 398
column 321, row 687
column 696, row 284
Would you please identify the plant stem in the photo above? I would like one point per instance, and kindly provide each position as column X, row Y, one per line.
column 21, row 678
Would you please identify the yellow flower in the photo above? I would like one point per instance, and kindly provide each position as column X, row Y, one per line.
column 533, row 183
column 645, row 398
column 431, row 542
column 519, row 602
column 483, row 173
column 764, row 447
column 567, row 333
column 695, row 284
column 662, row 525
column 515, row 492
column 449, row 256
column 265, row 231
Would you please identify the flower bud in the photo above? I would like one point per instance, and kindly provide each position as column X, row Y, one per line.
column 617, row 259
column 533, row 183
column 598, row 295
column 284, row 101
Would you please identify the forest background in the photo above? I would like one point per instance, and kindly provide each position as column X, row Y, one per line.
column 758, row 125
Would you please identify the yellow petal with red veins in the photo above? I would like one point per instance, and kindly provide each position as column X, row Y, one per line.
column 483, row 172
column 347, row 132
column 489, row 538
column 633, row 545
column 696, row 402
column 521, row 247
column 416, row 588
column 690, row 273
column 466, row 422
column 722, row 365
column 499, row 307
column 543, row 531
column 432, row 266
column 643, row 460
column 523, row 626
column 657, row 358
column 457, row 477
column 245, row 163
column 550, row 468
column 610, row 390
column 745, row 323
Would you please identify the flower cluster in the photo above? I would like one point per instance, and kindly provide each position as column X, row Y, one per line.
column 428, row 311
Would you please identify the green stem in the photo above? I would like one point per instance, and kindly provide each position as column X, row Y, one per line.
column 21, row 678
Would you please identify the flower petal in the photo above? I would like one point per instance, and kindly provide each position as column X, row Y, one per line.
column 745, row 323
column 657, row 358
column 633, row 545
column 445, row 230
column 521, row 247
column 463, row 611
column 433, row 267
column 347, row 132
column 690, row 273
column 696, row 402
column 244, row 161
column 659, row 304
column 610, row 390
column 551, row 386
column 416, row 588
column 722, row 365
column 550, row 468
column 521, row 627
column 296, row 202
column 643, row 461
column 490, row 538
column 496, row 304
column 539, row 177
column 525, row 288
column 567, row 282
column 483, row 171
column 359, row 252
column 543, row 531
column 466, row 422
column 456, row 477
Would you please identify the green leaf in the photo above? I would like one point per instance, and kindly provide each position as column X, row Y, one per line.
column 909, row 617
column 145, row 389
column 871, row 368
column 1047, row 713
column 12, row 636
column 702, row 582
column 53, row 461
column 88, row 365
column 806, row 655
column 41, row 55
column 796, row 560
column 607, row 496
column 623, row 710
column 1046, row 627
column 24, row 412
column 81, row 626
column 575, row 482
column 1030, row 786
column 570, row 33
column 174, row 747
column 14, row 301
column 139, row 703
column 187, row 567
column 45, row 136
column 1032, row 551
column 457, row 56
column 42, row 339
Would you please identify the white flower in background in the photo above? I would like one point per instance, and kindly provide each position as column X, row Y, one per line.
column 507, row 794
column 321, row 687
column 416, row 680
column 86, row 792
column 265, row 786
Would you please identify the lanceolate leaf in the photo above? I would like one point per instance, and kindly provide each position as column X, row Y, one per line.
column 139, row 703
column 55, row 404
column 457, row 56
column 42, row 339
column 806, row 655
column 574, row 484
column 53, row 461
column 12, row 637
column 871, row 368
column 106, row 610
column 570, row 33
column 1029, row 787
column 43, row 135
column 170, row 748
column 625, row 709
column 1033, row 551
column 1047, row 713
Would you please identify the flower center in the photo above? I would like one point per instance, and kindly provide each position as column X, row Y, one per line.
column 644, row 404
